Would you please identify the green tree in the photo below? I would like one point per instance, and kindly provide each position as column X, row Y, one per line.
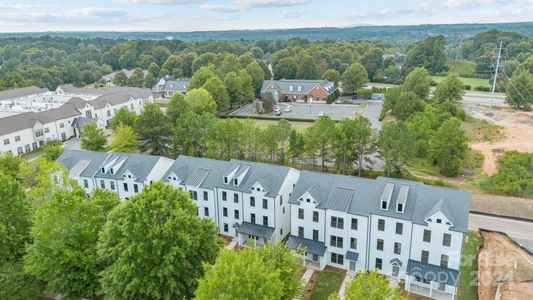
column 269, row 140
column 307, row 68
column 353, row 78
column 52, row 150
column 124, row 139
column 372, row 60
column 372, row 286
column 136, row 79
column 124, row 116
column 286, row 68
column 154, row 69
column 92, row 137
column 332, row 75
column 429, row 54
column 268, row 102
column 154, row 246
column 450, row 89
column 514, row 176
column 191, row 133
column 200, row 77
column 296, row 145
column 365, row 141
column 149, row 80
column 447, row 147
column 394, row 146
column 258, row 76
column 153, row 129
column 407, row 104
column 344, row 145
column 201, row 101
column 16, row 284
column 176, row 107
column 234, row 88
column 418, row 81
column 217, row 89
column 520, row 90
column 422, row 127
column 284, row 130
column 120, row 78
column 322, row 133
column 65, row 235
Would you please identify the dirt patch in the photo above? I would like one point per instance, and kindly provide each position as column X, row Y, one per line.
column 502, row 262
column 306, row 294
column 517, row 135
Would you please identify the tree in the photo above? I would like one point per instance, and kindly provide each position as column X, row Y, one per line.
column 200, row 77
column 176, row 107
column 124, row 139
column 217, row 89
column 16, row 284
column 136, row 79
column 234, row 88
column 92, row 137
column 372, row 60
column 269, row 272
column 191, row 133
column 296, row 145
column 450, row 89
column 154, row 246
column 149, row 80
column 52, row 150
column 269, row 139
column 332, row 75
column 520, row 90
column 284, row 130
column 268, row 102
column 124, row 116
column 201, row 101
column 65, row 235
column 447, row 147
column 394, row 146
column 120, row 78
column 153, row 129
column 365, row 141
column 154, row 69
column 514, row 176
column 322, row 133
column 429, row 54
column 406, row 105
column 256, row 73
column 353, row 78
column 418, row 81
column 371, row 285
column 307, row 68
column 344, row 145
column 286, row 68
column 422, row 127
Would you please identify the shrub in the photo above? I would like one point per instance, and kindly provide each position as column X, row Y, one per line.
column 467, row 87
column 363, row 93
column 482, row 88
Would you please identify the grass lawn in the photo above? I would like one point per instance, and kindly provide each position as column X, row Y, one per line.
column 462, row 68
column 473, row 82
column 326, row 283
column 299, row 126
column 467, row 288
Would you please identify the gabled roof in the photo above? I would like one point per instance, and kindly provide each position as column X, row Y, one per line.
column 185, row 166
column 255, row 230
column 269, row 176
column 120, row 97
column 139, row 165
column 433, row 272
column 173, row 85
column 310, row 246
column 298, row 86
column 21, row 92
column 71, row 158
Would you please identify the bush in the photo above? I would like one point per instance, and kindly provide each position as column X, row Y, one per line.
column 363, row 93
column 515, row 174
column 482, row 88
column 467, row 87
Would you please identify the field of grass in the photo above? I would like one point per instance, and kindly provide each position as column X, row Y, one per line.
column 462, row 68
column 467, row 288
column 326, row 283
column 299, row 126
column 473, row 82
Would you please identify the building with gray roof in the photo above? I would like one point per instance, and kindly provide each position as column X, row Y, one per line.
column 299, row 90
column 168, row 86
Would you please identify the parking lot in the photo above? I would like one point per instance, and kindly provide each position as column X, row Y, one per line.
column 369, row 109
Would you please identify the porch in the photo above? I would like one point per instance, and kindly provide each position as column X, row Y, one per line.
column 311, row 252
column 431, row 280
column 249, row 232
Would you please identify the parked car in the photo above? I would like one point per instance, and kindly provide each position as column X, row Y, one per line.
column 277, row 108
column 288, row 108
column 278, row 112
column 320, row 114
column 354, row 97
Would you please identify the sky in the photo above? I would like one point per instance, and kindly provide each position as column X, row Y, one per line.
column 199, row 15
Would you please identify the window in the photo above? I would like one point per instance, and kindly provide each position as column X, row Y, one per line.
column 424, row 257
column 236, row 214
column 63, row 136
column 265, row 203
column 300, row 231
column 379, row 263
column 337, row 222
column 6, row 142
column 384, row 205
column 444, row 261
column 131, row 106
column 86, row 183
column 206, row 211
column 19, row 150
column 315, row 216
column 399, row 228
column 380, row 245
column 353, row 243
column 315, row 235
column 336, row 241
column 47, row 130
column 88, row 114
column 135, row 188
column 281, row 231
column 225, row 180
column 236, row 198
column 265, row 221
column 337, row 258
column 399, row 208
column 61, row 125
column 39, row 133
column 315, row 257
column 252, row 201
column 125, row 187
column 225, row 211
column 280, row 199
column 300, row 213
column 27, row 148
column 112, row 185
column 427, row 236
column 226, row 227
column 102, row 184
column 111, row 171
column 194, row 195
column 397, row 248
column 439, row 221
column 206, row 196
column 381, row 225
column 224, row 196
column 354, row 224
column 252, row 218
column 447, row 239
column 17, row 138
column 235, row 181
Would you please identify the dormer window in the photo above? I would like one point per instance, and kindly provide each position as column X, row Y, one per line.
column 384, row 205
column 103, row 170
column 299, row 88
column 399, row 208
column 308, row 200
column 291, row 88
column 225, row 180
column 111, row 171
column 439, row 221
column 235, row 181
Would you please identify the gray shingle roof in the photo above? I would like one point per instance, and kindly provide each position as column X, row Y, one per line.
column 360, row 196
column 70, row 158
column 432, row 272
column 120, row 97
column 310, row 246
column 81, row 121
column 139, row 165
column 396, row 261
column 255, row 230
column 284, row 86
column 184, row 166
column 173, row 85
column 351, row 255
column 27, row 120
column 21, row 92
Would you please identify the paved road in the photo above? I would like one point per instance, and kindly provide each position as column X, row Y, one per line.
column 483, row 98
column 515, row 229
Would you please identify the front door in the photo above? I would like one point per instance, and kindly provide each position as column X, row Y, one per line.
column 395, row 271
column 352, row 265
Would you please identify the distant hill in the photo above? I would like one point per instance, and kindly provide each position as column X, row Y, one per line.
column 392, row 34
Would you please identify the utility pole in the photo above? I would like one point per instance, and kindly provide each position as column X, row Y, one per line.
column 495, row 76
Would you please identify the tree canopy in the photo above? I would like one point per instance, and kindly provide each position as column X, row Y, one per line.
column 92, row 137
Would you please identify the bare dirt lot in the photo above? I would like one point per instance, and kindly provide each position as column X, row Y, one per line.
column 517, row 134
column 502, row 263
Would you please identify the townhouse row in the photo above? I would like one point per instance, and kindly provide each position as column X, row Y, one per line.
column 405, row 229
column 25, row 132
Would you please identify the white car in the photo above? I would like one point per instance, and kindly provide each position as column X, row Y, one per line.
column 277, row 108
column 288, row 108
column 320, row 114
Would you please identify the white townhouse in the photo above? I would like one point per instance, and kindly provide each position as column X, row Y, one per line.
column 405, row 229
column 247, row 200
column 124, row 173
column 25, row 132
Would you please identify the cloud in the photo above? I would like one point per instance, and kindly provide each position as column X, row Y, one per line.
column 25, row 6
column 162, row 2
column 270, row 3
column 285, row 14
column 221, row 8
column 468, row 4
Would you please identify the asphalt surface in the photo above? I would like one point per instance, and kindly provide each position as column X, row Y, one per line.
column 519, row 230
